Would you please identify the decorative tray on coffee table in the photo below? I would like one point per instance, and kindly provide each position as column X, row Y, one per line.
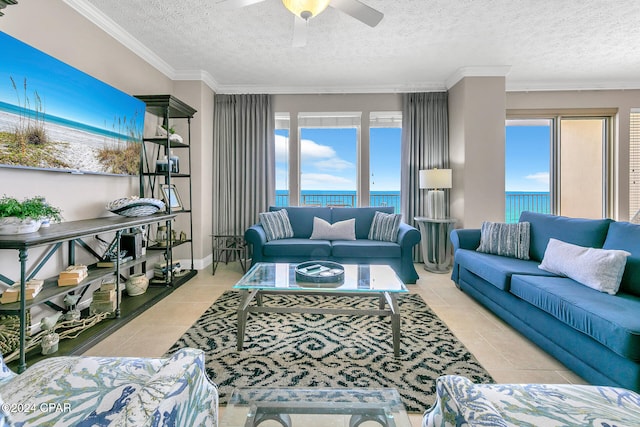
column 319, row 272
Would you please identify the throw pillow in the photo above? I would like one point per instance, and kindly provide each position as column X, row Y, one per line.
column 511, row 240
column 600, row 269
column 276, row 224
column 341, row 230
column 385, row 227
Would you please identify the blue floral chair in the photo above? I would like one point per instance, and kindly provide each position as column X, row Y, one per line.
column 110, row 391
column 460, row 402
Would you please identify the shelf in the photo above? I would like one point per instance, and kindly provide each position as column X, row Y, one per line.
column 173, row 175
column 163, row 141
column 160, row 104
column 162, row 248
column 51, row 289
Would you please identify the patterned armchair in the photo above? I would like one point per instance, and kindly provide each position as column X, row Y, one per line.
column 460, row 402
column 110, row 391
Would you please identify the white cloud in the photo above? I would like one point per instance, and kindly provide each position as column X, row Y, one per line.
column 322, row 181
column 334, row 164
column 539, row 177
column 282, row 149
column 312, row 150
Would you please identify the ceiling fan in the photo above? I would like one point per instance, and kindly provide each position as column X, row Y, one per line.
column 304, row 10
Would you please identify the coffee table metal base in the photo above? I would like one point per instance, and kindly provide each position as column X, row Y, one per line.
column 384, row 298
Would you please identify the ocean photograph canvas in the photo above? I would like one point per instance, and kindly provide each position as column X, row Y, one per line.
column 55, row 117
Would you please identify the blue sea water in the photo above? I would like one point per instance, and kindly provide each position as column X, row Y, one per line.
column 515, row 201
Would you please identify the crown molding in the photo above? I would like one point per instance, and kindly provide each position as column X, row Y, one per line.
column 110, row 27
column 201, row 75
column 476, row 71
column 557, row 86
column 302, row 90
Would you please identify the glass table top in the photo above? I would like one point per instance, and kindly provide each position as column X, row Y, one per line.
column 326, row 407
column 357, row 278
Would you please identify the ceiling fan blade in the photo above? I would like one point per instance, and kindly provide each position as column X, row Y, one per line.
column 237, row 4
column 299, row 32
column 358, row 10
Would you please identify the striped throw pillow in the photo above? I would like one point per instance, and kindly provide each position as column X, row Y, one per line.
column 511, row 240
column 276, row 224
column 385, row 227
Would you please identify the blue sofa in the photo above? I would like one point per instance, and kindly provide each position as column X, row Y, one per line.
column 594, row 334
column 360, row 251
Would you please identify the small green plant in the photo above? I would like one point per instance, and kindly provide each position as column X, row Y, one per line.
column 170, row 129
column 34, row 207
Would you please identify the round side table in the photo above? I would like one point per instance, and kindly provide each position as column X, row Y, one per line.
column 435, row 242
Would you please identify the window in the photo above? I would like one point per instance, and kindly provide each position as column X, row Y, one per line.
column 559, row 164
column 333, row 164
column 527, row 167
column 282, row 158
column 634, row 164
column 385, row 139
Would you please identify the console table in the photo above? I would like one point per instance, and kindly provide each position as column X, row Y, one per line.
column 435, row 241
column 71, row 232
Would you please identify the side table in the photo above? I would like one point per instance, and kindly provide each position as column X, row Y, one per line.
column 436, row 244
column 226, row 245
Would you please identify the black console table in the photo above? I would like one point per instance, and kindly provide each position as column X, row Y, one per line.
column 71, row 232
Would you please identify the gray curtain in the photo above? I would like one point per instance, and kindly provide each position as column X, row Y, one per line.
column 425, row 145
column 243, row 161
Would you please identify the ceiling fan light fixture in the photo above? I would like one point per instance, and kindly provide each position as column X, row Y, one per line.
column 306, row 9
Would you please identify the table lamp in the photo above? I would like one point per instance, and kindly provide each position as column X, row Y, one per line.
column 435, row 180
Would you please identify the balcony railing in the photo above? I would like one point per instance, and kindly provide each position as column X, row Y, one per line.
column 342, row 200
column 517, row 202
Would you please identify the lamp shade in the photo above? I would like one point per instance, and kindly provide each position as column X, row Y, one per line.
column 306, row 9
column 435, row 178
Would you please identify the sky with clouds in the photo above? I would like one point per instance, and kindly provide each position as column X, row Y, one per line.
column 329, row 159
column 527, row 158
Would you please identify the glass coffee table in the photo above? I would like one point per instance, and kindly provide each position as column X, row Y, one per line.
column 378, row 281
column 326, row 407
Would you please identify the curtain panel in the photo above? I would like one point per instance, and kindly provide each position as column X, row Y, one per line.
column 243, row 161
column 425, row 145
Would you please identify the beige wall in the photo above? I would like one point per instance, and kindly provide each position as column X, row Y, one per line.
column 476, row 140
column 58, row 30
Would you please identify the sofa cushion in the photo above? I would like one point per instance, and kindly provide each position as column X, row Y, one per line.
column 341, row 230
column 510, row 240
column 385, row 227
column 609, row 319
column 296, row 248
column 276, row 224
column 582, row 232
column 364, row 217
column 599, row 269
column 496, row 269
column 364, row 248
column 301, row 218
column 626, row 236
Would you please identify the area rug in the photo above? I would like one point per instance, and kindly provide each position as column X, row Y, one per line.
column 322, row 350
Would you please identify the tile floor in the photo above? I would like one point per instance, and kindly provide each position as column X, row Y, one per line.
column 508, row 356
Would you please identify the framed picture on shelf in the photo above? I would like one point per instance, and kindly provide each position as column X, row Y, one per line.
column 171, row 197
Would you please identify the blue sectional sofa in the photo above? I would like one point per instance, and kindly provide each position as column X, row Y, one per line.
column 595, row 334
column 360, row 251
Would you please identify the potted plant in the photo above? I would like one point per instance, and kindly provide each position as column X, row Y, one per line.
column 26, row 216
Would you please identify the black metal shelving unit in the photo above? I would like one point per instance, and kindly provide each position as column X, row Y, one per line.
column 169, row 109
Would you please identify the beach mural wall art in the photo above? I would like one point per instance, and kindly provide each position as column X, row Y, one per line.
column 55, row 117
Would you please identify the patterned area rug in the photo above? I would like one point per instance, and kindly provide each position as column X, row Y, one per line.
column 321, row 350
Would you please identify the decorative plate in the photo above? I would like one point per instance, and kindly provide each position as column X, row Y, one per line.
column 320, row 272
column 135, row 206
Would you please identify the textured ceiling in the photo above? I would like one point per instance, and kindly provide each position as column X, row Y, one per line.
column 419, row 44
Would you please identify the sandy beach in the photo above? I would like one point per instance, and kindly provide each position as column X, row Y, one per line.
column 77, row 148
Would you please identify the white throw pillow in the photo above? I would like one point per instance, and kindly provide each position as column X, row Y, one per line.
column 341, row 230
column 600, row 269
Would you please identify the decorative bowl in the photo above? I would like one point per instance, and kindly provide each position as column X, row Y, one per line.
column 137, row 284
column 318, row 272
column 135, row 206
column 13, row 225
